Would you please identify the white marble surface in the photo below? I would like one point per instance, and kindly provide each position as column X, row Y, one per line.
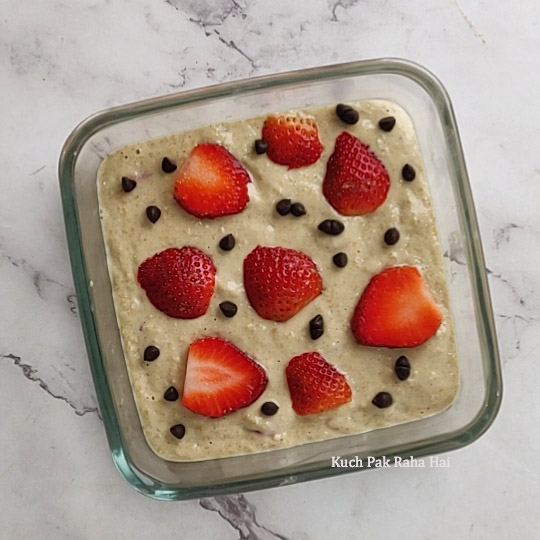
column 60, row 61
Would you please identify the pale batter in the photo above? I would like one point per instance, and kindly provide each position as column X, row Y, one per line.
column 131, row 238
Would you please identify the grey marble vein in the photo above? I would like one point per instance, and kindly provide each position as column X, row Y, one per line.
column 99, row 150
column 456, row 255
column 209, row 17
column 72, row 302
column 208, row 12
column 37, row 170
column 202, row 24
column 343, row 4
column 40, row 279
column 38, row 276
column 232, row 45
column 32, row 375
column 513, row 289
column 502, row 234
column 469, row 22
column 518, row 325
column 241, row 515
column 182, row 82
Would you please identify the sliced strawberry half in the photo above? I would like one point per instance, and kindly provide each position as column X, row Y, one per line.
column 356, row 181
column 396, row 309
column 279, row 282
column 315, row 385
column 220, row 378
column 293, row 140
column 211, row 183
column 178, row 281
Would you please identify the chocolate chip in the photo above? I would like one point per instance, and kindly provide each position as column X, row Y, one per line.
column 347, row 114
column 316, row 327
column 168, row 166
column 391, row 236
column 331, row 226
column 283, row 207
column 387, row 123
column 128, row 184
column 316, row 333
column 298, row 209
column 269, row 408
column 227, row 242
column 382, row 400
column 261, row 146
column 228, row 309
column 408, row 173
column 317, row 322
column 153, row 213
column 340, row 259
column 171, row 394
column 178, row 431
column 151, row 353
column 402, row 368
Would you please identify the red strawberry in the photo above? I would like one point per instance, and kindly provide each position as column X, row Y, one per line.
column 315, row 385
column 292, row 140
column 396, row 310
column 179, row 282
column 211, row 183
column 220, row 379
column 356, row 182
column 279, row 282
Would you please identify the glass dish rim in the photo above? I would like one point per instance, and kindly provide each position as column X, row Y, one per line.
column 485, row 323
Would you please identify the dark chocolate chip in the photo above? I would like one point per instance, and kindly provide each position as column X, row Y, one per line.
column 128, row 184
column 402, row 368
column 331, row 226
column 153, row 213
column 347, row 114
column 298, row 209
column 387, row 123
column 269, row 408
column 228, row 309
column 382, row 400
column 408, row 173
column 340, row 259
column 391, row 236
column 151, row 353
column 261, row 146
column 316, row 327
column 171, row 394
column 316, row 333
column 178, row 431
column 283, row 207
column 227, row 242
column 168, row 166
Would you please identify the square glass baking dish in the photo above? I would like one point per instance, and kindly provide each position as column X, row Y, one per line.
column 426, row 101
